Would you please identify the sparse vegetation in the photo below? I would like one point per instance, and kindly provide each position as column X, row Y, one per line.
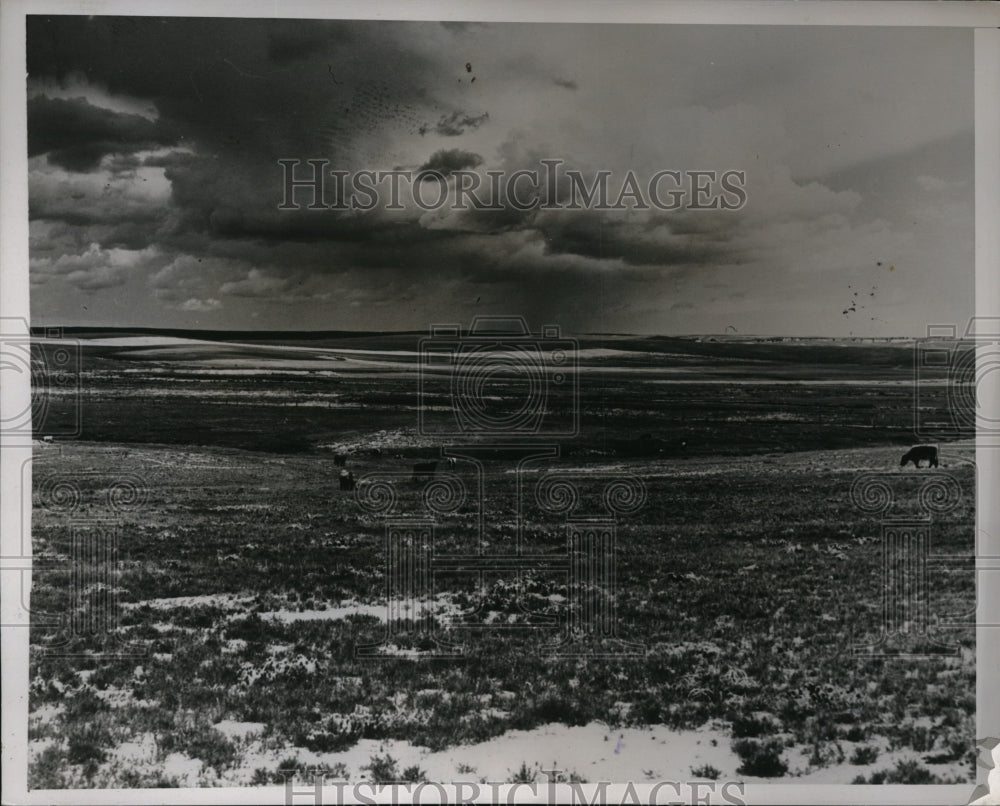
column 414, row 774
column 761, row 759
column 523, row 774
column 747, row 577
column 865, row 754
column 905, row 772
column 384, row 770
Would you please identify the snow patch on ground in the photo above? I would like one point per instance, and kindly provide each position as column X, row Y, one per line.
column 232, row 729
column 440, row 607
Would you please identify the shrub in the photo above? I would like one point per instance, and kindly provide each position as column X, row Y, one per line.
column 866, row 754
column 327, row 741
column 905, row 772
column 760, row 759
column 524, row 775
column 706, row 771
column 558, row 709
column 84, row 705
column 211, row 747
column 414, row 774
column 46, row 770
column 856, row 734
column 289, row 765
column 338, row 772
column 86, row 742
column 383, row 769
column 250, row 629
column 749, row 727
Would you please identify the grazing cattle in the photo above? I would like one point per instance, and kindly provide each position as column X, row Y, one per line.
column 424, row 470
column 451, row 461
column 340, row 459
column 47, row 439
column 346, row 480
column 920, row 453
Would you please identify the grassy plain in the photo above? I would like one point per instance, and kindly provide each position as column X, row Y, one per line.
column 247, row 578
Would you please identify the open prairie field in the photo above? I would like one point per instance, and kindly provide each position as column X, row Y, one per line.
column 260, row 624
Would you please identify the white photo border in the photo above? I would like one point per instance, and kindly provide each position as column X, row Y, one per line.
column 983, row 17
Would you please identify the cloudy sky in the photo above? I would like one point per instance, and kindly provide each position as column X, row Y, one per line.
column 154, row 183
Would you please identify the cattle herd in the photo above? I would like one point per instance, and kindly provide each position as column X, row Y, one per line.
column 423, row 471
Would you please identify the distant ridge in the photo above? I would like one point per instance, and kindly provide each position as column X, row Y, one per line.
column 317, row 335
column 217, row 335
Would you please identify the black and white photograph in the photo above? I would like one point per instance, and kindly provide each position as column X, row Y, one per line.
column 498, row 405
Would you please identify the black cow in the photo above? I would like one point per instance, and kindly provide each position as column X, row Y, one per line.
column 920, row 453
column 340, row 459
column 346, row 480
column 424, row 470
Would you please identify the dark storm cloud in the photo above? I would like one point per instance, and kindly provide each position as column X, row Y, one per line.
column 291, row 41
column 227, row 98
column 447, row 161
column 650, row 242
column 76, row 135
column 241, row 94
column 70, row 211
column 218, row 81
column 368, row 230
column 124, row 235
column 172, row 159
column 234, row 96
column 504, row 217
column 455, row 124
column 100, row 200
column 123, row 163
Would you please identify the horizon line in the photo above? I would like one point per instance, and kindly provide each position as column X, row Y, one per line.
column 39, row 330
